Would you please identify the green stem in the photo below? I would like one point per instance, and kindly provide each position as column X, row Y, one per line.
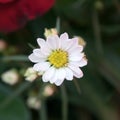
column 43, row 110
column 58, row 25
column 97, row 32
column 64, row 103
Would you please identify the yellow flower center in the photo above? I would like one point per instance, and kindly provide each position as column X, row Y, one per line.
column 58, row 58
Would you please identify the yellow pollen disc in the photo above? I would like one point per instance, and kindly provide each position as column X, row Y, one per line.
column 58, row 58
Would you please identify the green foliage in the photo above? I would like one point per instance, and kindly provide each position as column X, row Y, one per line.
column 15, row 110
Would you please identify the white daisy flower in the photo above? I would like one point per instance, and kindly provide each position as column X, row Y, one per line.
column 59, row 58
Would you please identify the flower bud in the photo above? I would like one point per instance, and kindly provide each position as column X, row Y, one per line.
column 3, row 45
column 49, row 32
column 48, row 90
column 10, row 77
column 31, row 74
column 33, row 102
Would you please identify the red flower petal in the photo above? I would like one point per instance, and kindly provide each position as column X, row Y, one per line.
column 15, row 13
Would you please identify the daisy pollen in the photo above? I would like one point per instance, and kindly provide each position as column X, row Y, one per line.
column 59, row 58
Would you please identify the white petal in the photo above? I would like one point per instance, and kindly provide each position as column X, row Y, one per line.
column 76, row 71
column 75, row 40
column 52, row 41
column 83, row 62
column 58, row 42
column 64, row 36
column 49, row 74
column 34, row 58
column 79, row 73
column 61, row 73
column 38, row 53
column 75, row 49
column 55, row 77
column 64, row 44
column 69, row 74
column 76, row 57
column 61, row 76
column 41, row 42
column 44, row 78
column 75, row 63
column 42, row 66
column 59, row 82
column 46, row 50
column 67, row 44
column 71, row 43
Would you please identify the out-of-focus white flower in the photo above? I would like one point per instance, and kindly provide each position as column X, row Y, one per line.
column 59, row 58
column 31, row 74
column 33, row 102
column 49, row 32
column 48, row 90
column 10, row 77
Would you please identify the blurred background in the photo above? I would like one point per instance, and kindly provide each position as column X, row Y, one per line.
column 94, row 97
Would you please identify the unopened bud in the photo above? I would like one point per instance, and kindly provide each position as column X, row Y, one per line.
column 48, row 90
column 31, row 74
column 10, row 77
column 33, row 102
column 3, row 45
column 49, row 32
